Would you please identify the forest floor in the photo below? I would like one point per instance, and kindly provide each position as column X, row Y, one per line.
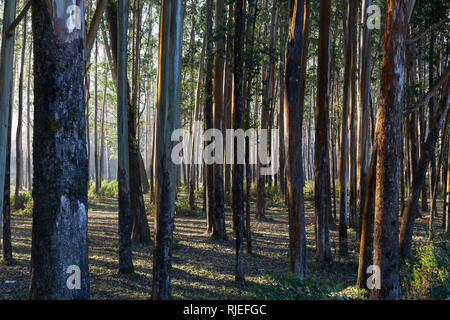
column 202, row 268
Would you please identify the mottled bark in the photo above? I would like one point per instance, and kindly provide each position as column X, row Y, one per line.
column 59, row 237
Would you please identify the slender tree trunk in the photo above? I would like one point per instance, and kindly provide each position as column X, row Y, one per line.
column 219, row 210
column 293, row 118
column 118, row 20
column 19, row 149
column 363, row 114
column 208, row 117
column 59, row 237
column 96, row 168
column 196, row 132
column 321, row 167
column 343, row 161
column 7, row 245
column 169, row 82
column 366, row 244
column 28, row 161
column 238, row 169
column 6, row 72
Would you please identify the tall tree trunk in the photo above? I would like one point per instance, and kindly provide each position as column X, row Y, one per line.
column 363, row 114
column 19, row 149
column 343, row 158
column 219, row 210
column 389, row 135
column 6, row 72
column 208, row 117
column 6, row 244
column 196, row 132
column 238, row 169
column 293, row 118
column 96, row 168
column 102, row 136
column 28, row 161
column 59, row 237
column 366, row 244
column 321, row 167
column 118, row 21
column 169, row 82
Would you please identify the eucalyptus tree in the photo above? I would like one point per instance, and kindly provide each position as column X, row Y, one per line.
column 6, row 71
column 59, row 236
column 168, row 108
column 322, row 204
column 293, row 117
column 388, row 140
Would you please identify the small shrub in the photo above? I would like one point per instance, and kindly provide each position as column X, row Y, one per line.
column 427, row 276
column 290, row 287
column 182, row 206
column 23, row 204
column 108, row 189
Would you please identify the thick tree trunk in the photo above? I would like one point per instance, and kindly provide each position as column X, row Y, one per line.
column 59, row 237
column 389, row 135
column 321, row 167
column 293, row 118
column 169, row 82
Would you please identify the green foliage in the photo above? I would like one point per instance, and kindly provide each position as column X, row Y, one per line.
column 274, row 196
column 290, row 287
column 108, row 189
column 427, row 276
column 182, row 206
column 308, row 191
column 23, row 204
